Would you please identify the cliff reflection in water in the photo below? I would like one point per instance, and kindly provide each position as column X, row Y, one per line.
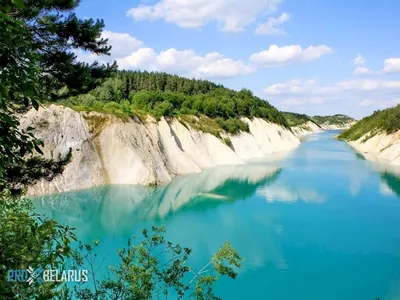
column 115, row 208
column 392, row 182
column 390, row 178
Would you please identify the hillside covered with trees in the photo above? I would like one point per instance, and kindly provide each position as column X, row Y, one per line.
column 387, row 120
column 337, row 119
column 295, row 119
column 132, row 93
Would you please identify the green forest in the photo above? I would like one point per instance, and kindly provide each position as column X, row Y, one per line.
column 387, row 120
column 135, row 93
column 139, row 93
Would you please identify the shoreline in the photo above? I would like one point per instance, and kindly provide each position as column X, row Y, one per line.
column 382, row 147
column 108, row 150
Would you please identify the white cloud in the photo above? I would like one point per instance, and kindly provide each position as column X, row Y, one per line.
column 359, row 60
column 277, row 193
column 271, row 27
column 386, row 191
column 381, row 104
column 299, row 87
column 290, row 102
column 280, row 56
column 367, row 102
column 122, row 43
column 310, row 82
column 362, row 71
column 391, row 65
column 302, row 88
column 231, row 15
column 132, row 54
column 185, row 62
column 354, row 97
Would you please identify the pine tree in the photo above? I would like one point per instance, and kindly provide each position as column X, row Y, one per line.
column 38, row 41
column 57, row 34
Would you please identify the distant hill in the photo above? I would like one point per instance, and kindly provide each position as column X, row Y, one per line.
column 295, row 119
column 387, row 120
column 339, row 120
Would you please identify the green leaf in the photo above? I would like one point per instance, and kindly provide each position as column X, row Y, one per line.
column 18, row 3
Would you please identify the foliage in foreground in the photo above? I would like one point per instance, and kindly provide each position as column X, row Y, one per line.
column 27, row 239
column 17, row 177
column 151, row 268
column 387, row 120
column 38, row 40
column 36, row 61
column 155, row 268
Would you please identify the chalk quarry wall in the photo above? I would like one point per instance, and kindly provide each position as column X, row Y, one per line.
column 108, row 150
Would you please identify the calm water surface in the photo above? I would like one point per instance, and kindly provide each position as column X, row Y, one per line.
column 321, row 223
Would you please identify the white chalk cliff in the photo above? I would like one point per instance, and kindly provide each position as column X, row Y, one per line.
column 306, row 128
column 381, row 147
column 108, row 150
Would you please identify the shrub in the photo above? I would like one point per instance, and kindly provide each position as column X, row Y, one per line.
column 164, row 108
column 112, row 107
column 233, row 125
column 228, row 142
column 126, row 108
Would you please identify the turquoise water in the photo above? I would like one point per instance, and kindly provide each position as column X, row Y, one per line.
column 321, row 223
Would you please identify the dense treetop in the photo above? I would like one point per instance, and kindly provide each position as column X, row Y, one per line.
column 161, row 94
column 387, row 120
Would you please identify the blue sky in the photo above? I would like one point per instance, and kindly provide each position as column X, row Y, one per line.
column 309, row 56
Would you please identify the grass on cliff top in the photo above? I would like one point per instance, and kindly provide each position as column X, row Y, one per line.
column 387, row 120
column 201, row 123
column 126, row 110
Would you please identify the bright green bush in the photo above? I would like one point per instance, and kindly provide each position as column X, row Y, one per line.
column 164, row 108
column 233, row 126
column 112, row 107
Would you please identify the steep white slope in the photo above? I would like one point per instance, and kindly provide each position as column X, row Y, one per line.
column 307, row 128
column 108, row 150
column 381, row 147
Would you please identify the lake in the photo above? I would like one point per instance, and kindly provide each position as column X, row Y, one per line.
column 318, row 223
